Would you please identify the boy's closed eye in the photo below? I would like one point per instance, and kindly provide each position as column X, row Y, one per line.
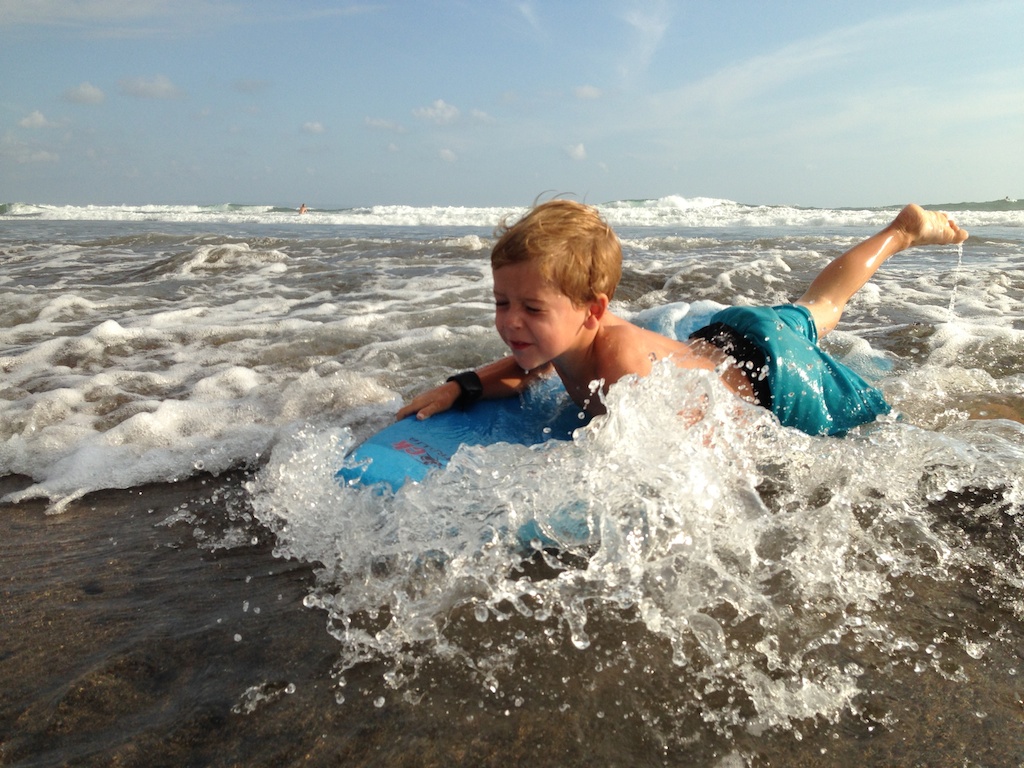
column 531, row 308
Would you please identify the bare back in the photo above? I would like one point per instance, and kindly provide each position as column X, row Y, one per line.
column 621, row 348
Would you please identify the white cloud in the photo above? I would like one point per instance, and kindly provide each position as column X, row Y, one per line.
column 159, row 87
column 71, row 11
column 448, row 156
column 382, row 124
column 753, row 78
column 759, row 74
column 588, row 93
column 23, row 154
column 149, row 18
column 314, row 126
column 649, row 25
column 41, row 156
column 527, row 12
column 577, row 151
column 481, row 117
column 35, row 120
column 83, row 12
column 439, row 112
column 85, row 93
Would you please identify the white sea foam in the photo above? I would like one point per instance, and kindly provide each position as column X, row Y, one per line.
column 103, row 329
column 669, row 211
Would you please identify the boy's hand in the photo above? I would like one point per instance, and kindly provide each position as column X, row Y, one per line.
column 430, row 402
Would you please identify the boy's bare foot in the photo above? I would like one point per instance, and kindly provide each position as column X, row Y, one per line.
column 923, row 227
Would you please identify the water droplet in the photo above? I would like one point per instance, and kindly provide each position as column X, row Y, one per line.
column 580, row 640
column 974, row 650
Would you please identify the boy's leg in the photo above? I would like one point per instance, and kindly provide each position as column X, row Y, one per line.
column 827, row 296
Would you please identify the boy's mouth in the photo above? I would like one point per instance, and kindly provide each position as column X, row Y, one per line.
column 517, row 346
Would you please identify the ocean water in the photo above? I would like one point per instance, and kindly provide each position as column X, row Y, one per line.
column 185, row 582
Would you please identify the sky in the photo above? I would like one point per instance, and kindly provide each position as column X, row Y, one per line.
column 495, row 102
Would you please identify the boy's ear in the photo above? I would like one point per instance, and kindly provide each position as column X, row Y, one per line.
column 595, row 310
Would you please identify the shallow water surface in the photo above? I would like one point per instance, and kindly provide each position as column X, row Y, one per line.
column 178, row 650
column 185, row 583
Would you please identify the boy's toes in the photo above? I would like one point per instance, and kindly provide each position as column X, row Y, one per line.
column 953, row 231
column 939, row 228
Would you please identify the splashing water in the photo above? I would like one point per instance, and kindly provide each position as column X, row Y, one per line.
column 765, row 559
column 956, row 280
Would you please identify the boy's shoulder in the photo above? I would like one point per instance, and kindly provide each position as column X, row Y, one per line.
column 623, row 348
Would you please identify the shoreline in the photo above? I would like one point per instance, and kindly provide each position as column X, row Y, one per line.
column 128, row 643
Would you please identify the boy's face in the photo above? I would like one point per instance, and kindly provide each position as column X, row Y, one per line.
column 536, row 320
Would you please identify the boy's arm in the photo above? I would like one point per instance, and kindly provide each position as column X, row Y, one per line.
column 502, row 378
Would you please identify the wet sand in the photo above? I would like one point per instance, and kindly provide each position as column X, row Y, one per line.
column 131, row 642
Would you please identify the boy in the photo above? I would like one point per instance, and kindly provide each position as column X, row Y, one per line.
column 556, row 270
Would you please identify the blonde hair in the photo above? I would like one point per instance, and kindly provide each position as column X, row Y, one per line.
column 570, row 244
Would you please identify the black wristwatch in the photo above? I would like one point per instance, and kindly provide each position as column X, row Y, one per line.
column 471, row 388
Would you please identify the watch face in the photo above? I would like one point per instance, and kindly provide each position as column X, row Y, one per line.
column 471, row 383
column 470, row 386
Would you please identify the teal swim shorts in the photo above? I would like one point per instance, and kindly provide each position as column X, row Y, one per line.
column 806, row 387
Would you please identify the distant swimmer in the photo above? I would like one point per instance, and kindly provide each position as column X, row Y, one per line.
column 302, row 208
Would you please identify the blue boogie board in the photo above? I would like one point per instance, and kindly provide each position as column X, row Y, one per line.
column 409, row 449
